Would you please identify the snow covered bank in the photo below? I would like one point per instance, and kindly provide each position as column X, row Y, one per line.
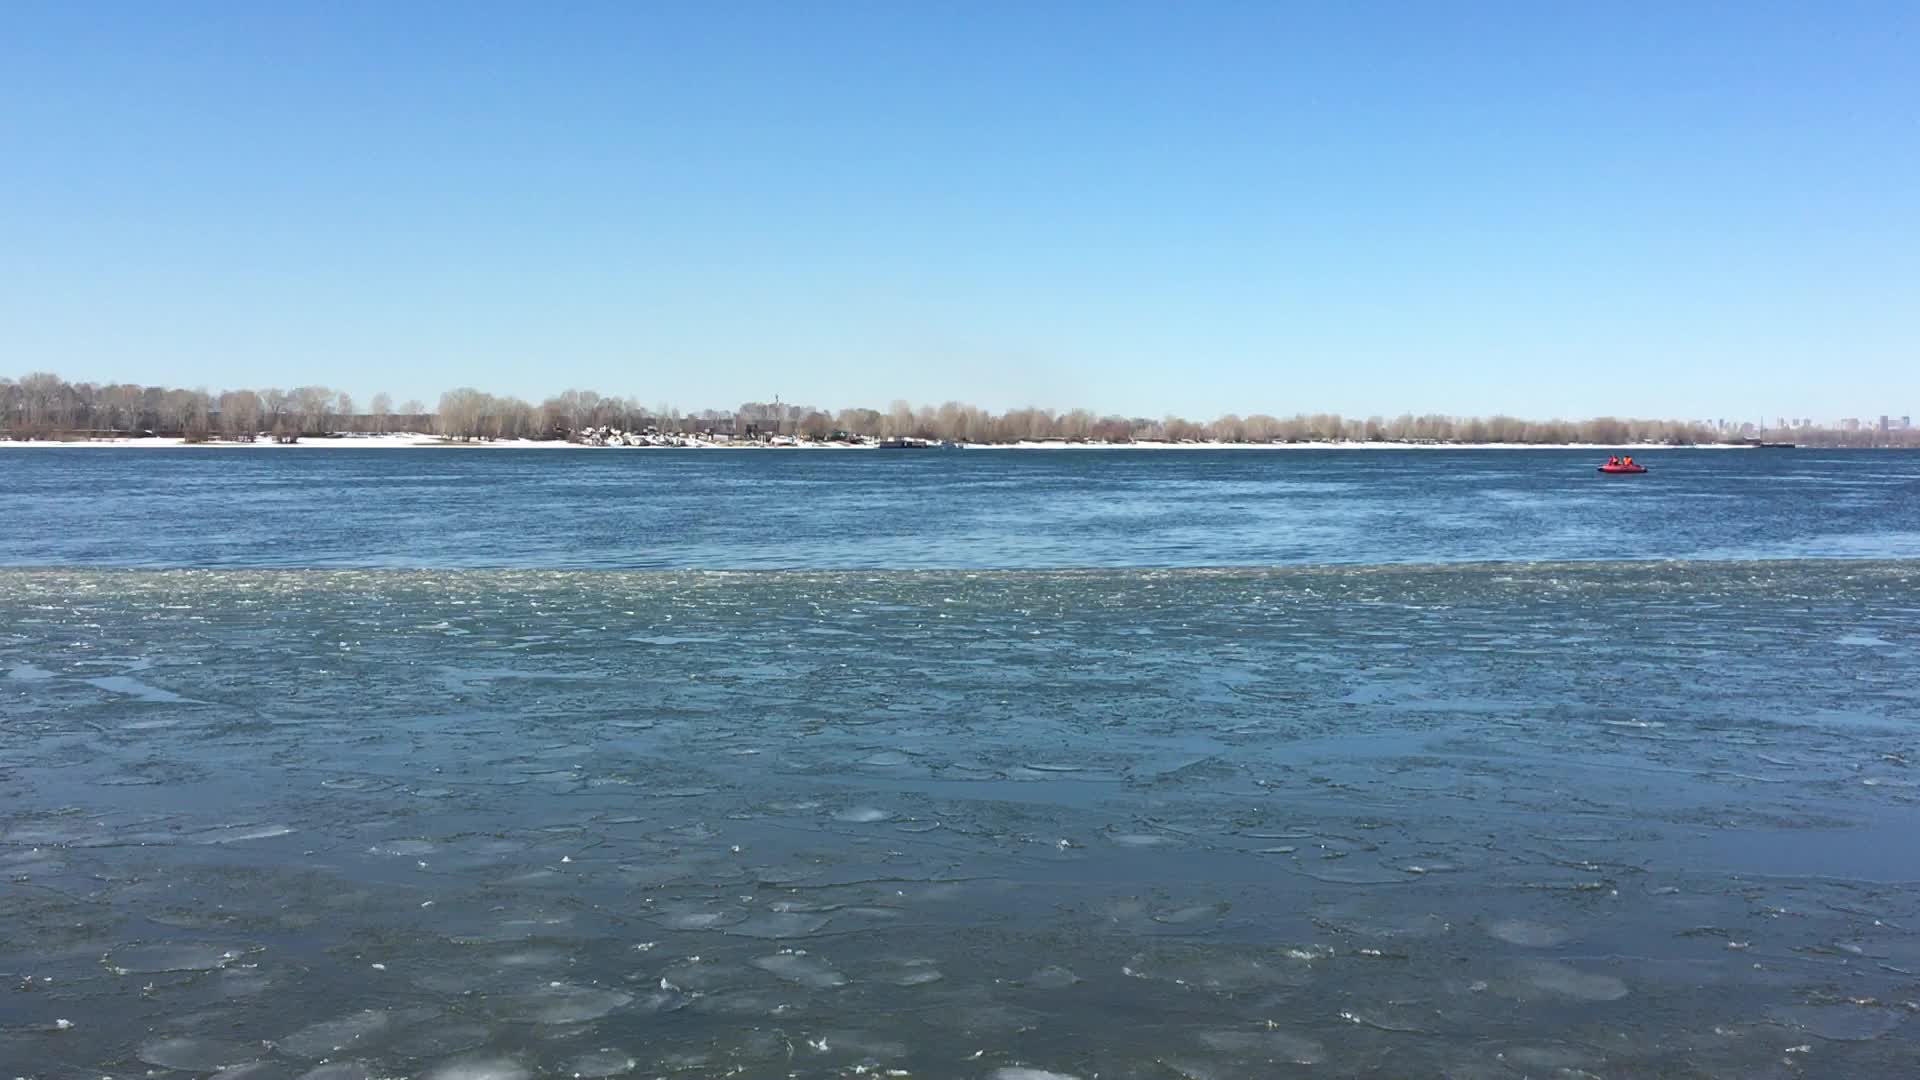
column 396, row 440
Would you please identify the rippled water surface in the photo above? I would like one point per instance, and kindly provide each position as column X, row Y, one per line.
column 1567, row 820
column 1014, row 766
column 989, row 509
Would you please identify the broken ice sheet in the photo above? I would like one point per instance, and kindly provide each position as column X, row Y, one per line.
column 194, row 1054
column 908, row 971
column 778, row 924
column 801, row 968
column 169, row 956
column 598, row 1064
column 1527, row 934
column 479, row 1067
column 1225, row 970
column 1051, row 977
column 560, row 1003
column 345, row 1033
column 1840, row 1022
column 1551, row 978
column 1266, row 1046
column 1110, row 731
column 339, row 1070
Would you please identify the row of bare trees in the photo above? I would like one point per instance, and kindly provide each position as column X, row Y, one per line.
column 967, row 423
column 43, row 405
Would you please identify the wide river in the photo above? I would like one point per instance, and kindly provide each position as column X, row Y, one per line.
column 492, row 765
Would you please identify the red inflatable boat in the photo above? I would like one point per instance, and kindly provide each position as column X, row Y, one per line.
column 1621, row 470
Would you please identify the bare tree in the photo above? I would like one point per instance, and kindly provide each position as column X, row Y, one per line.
column 120, row 406
column 899, row 420
column 465, row 414
column 312, row 407
column 240, row 414
column 279, row 408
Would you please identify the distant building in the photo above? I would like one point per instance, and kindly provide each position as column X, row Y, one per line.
column 1884, row 425
column 1850, row 424
column 1906, row 423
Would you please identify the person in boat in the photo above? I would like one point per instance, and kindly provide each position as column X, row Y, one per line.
column 1612, row 461
column 1627, row 461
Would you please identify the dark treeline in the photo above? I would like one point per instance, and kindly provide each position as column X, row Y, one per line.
column 45, row 406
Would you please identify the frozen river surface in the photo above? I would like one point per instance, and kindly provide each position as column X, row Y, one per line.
column 1594, row 820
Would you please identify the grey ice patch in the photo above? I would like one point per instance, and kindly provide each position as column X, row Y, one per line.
column 480, row 1067
column 1271, row 1046
column 598, row 1064
column 1529, row 935
column 533, row 957
column 1355, row 873
column 1222, row 972
column 1193, row 913
column 798, row 967
column 1390, row 1018
column 256, row 1070
column 862, row 815
column 1838, row 1023
column 234, row 834
column 1566, row 981
column 563, row 1004
column 1020, row 1072
column 1372, row 920
column 1562, row 1060
column 1139, row 840
column 779, row 924
column 338, row 1070
column 660, row 1001
column 699, row 920
column 913, row 971
column 859, row 1044
column 413, row 848
column 197, row 1055
column 168, row 956
column 433, row 1040
column 134, row 688
column 329, row 1037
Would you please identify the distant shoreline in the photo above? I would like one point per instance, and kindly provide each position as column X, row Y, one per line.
column 414, row 441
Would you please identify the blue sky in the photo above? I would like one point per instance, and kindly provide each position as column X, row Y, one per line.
column 1547, row 209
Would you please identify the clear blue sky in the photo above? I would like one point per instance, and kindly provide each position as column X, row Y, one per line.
column 1542, row 208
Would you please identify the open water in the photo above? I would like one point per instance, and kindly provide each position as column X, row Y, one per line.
column 493, row 766
column 985, row 509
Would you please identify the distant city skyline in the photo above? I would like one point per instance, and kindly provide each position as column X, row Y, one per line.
column 1681, row 210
